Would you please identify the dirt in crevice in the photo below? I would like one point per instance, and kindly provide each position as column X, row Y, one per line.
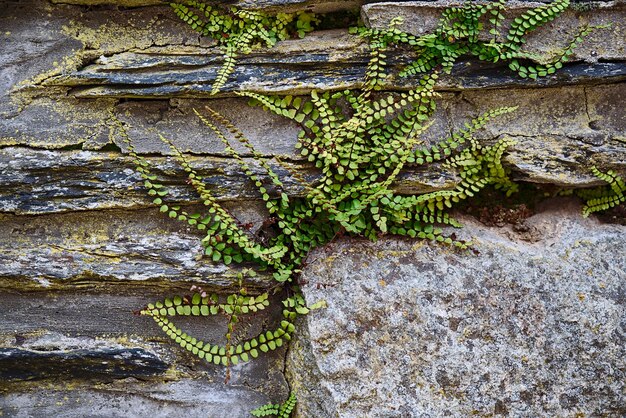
column 616, row 215
column 500, row 215
column 493, row 208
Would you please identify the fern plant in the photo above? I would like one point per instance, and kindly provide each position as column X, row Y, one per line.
column 359, row 155
column 277, row 410
column 227, row 242
column 360, row 141
column 479, row 30
column 238, row 31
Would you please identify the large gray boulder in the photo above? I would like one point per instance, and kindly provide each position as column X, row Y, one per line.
column 530, row 322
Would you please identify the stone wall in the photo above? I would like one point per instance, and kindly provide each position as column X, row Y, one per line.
column 532, row 323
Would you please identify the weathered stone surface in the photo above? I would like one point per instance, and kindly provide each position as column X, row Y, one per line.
column 530, row 324
column 46, row 117
column 98, row 322
column 299, row 76
column 269, row 134
column 46, row 182
column 560, row 133
column 53, row 374
column 325, row 60
column 160, row 57
column 87, row 309
column 93, row 320
column 130, row 397
column 87, row 351
column 39, row 182
column 82, row 250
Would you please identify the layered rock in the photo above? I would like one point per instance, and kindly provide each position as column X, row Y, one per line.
column 83, row 248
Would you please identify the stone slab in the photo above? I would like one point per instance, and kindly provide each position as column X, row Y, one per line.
column 113, row 249
column 105, row 322
column 85, row 180
column 318, row 6
column 86, row 351
column 89, row 323
column 131, row 53
column 560, row 132
column 20, row 364
column 328, row 60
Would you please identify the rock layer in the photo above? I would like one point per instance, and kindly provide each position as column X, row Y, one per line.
column 560, row 134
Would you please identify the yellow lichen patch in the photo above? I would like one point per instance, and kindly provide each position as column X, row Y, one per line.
column 111, row 37
column 106, row 39
column 418, row 245
column 26, row 91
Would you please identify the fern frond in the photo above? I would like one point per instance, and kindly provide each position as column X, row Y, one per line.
column 287, row 407
column 241, row 138
column 266, row 410
column 235, row 304
column 280, row 411
column 156, row 190
column 233, row 153
column 459, row 33
column 238, row 31
column 608, row 197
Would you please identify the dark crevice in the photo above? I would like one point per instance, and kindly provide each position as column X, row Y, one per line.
column 110, row 147
column 71, row 147
column 339, row 20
